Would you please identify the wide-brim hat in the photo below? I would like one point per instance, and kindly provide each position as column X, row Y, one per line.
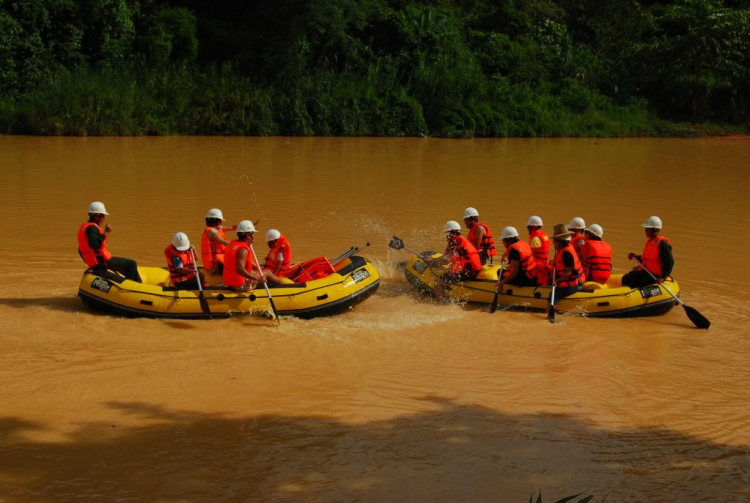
column 561, row 232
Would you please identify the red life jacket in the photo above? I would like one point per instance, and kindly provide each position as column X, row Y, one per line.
column 186, row 258
column 579, row 277
column 280, row 248
column 650, row 257
column 231, row 276
column 211, row 258
column 599, row 255
column 464, row 257
column 90, row 256
column 541, row 256
column 578, row 241
column 487, row 244
column 527, row 262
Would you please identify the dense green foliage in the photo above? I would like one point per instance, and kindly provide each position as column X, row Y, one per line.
column 456, row 68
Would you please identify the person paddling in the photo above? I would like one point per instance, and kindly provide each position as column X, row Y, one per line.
column 522, row 268
column 540, row 244
column 656, row 257
column 92, row 245
column 180, row 257
column 462, row 257
column 568, row 274
column 237, row 256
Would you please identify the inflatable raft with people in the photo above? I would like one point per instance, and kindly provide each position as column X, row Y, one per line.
column 595, row 300
column 317, row 287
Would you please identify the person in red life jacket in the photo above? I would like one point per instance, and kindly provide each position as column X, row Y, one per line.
column 279, row 258
column 214, row 241
column 181, row 263
column 92, row 245
column 656, row 257
column 540, row 244
column 479, row 235
column 240, row 271
column 522, row 266
column 596, row 256
column 568, row 274
column 460, row 254
column 578, row 227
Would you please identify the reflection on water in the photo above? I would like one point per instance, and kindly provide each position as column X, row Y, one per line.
column 400, row 399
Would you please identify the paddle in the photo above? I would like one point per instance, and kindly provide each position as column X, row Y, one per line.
column 201, row 296
column 351, row 251
column 551, row 315
column 493, row 306
column 397, row 244
column 265, row 284
column 697, row 318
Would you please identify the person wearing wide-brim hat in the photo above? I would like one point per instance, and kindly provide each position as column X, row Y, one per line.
column 568, row 275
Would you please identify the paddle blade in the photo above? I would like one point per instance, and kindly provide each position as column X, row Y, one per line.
column 396, row 243
column 697, row 318
column 551, row 315
column 493, row 306
column 204, row 305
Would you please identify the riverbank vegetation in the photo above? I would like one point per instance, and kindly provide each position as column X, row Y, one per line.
column 450, row 68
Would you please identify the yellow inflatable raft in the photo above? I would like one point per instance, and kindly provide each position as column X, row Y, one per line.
column 611, row 300
column 322, row 288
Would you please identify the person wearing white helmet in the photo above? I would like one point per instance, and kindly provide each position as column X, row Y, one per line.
column 596, row 255
column 92, row 245
column 522, row 266
column 568, row 273
column 540, row 245
column 578, row 226
column 656, row 257
column 479, row 235
column 279, row 259
column 214, row 241
column 460, row 254
column 180, row 257
column 240, row 272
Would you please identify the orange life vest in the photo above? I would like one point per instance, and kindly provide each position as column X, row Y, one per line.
column 186, row 258
column 89, row 255
column 464, row 257
column 599, row 256
column 527, row 262
column 487, row 244
column 212, row 257
column 280, row 248
column 578, row 241
column 541, row 256
column 650, row 257
column 579, row 277
column 231, row 276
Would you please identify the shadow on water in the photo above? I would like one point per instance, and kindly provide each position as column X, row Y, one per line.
column 66, row 304
column 455, row 453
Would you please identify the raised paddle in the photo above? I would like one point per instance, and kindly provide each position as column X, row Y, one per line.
column 201, row 296
column 265, row 284
column 697, row 318
column 397, row 244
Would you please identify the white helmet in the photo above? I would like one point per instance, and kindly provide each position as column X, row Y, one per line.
column 534, row 221
column 245, row 226
column 97, row 208
column 452, row 225
column 596, row 230
column 577, row 223
column 272, row 235
column 470, row 212
column 652, row 223
column 181, row 241
column 215, row 213
column 509, row 232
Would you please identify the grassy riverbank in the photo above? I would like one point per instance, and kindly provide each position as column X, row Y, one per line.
column 125, row 101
